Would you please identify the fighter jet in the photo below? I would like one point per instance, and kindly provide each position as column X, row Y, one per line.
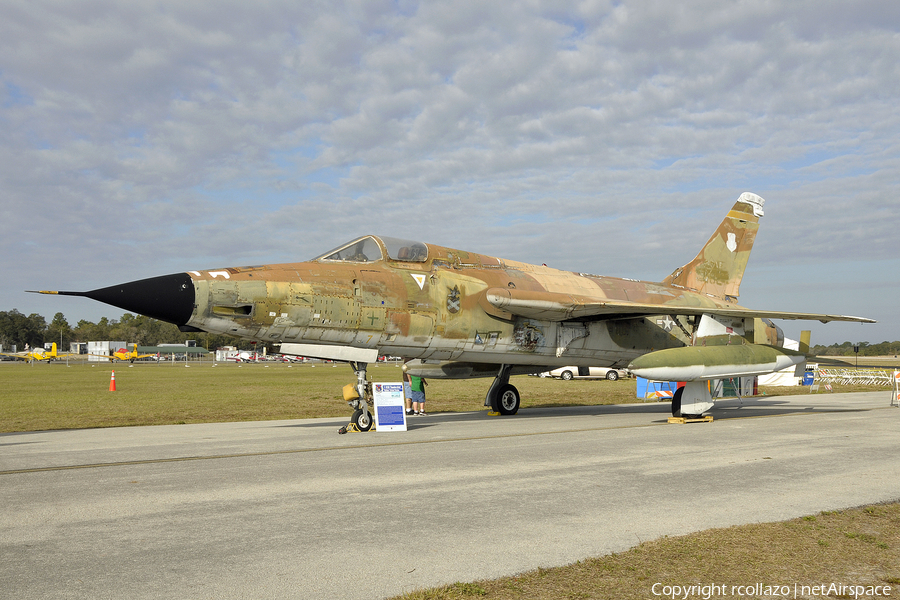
column 457, row 314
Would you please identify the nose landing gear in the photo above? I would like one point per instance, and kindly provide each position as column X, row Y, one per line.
column 358, row 397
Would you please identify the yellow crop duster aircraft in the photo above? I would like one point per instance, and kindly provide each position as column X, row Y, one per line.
column 40, row 354
column 458, row 314
column 122, row 354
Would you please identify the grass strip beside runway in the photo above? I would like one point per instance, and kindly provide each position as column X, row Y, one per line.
column 40, row 396
column 858, row 549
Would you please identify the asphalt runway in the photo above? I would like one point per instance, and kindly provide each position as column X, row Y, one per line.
column 291, row 509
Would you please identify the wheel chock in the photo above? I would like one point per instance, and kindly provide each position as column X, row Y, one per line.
column 683, row 420
column 352, row 428
column 493, row 413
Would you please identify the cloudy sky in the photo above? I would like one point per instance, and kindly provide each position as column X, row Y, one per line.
column 146, row 138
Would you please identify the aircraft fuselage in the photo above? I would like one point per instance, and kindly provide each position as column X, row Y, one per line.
column 436, row 309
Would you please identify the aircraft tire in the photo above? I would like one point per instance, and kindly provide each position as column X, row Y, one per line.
column 612, row 375
column 676, row 402
column 362, row 420
column 507, row 400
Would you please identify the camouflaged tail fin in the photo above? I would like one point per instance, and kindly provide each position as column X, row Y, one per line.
column 719, row 267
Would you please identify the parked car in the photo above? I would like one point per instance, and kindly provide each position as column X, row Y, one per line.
column 568, row 373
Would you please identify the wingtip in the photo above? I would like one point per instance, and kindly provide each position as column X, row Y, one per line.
column 859, row 319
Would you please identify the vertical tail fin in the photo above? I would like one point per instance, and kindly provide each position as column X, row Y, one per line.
column 718, row 268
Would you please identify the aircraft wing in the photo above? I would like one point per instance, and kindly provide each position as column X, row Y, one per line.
column 37, row 356
column 554, row 306
column 130, row 357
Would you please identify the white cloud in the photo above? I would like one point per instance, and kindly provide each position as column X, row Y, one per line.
column 600, row 136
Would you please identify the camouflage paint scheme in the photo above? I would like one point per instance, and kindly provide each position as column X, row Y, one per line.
column 460, row 314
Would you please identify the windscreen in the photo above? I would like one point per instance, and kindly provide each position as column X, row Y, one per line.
column 362, row 250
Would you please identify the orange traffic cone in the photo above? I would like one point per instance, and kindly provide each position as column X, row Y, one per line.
column 112, row 382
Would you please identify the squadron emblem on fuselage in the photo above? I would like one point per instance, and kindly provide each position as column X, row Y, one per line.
column 453, row 300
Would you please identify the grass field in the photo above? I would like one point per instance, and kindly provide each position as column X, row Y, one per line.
column 856, row 547
column 56, row 396
column 41, row 396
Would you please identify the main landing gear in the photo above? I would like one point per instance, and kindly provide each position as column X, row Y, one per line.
column 502, row 396
column 358, row 397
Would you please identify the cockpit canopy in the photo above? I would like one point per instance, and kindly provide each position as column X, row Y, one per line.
column 369, row 249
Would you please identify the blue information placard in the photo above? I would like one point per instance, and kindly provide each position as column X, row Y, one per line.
column 390, row 413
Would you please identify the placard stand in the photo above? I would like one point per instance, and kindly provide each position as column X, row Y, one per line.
column 390, row 406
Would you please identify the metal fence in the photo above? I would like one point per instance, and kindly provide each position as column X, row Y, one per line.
column 851, row 376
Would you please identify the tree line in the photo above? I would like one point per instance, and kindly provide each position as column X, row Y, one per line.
column 16, row 329
column 865, row 349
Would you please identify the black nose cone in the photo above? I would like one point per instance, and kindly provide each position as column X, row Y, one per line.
column 168, row 298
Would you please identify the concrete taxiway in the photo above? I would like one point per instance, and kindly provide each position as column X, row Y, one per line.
column 291, row 509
